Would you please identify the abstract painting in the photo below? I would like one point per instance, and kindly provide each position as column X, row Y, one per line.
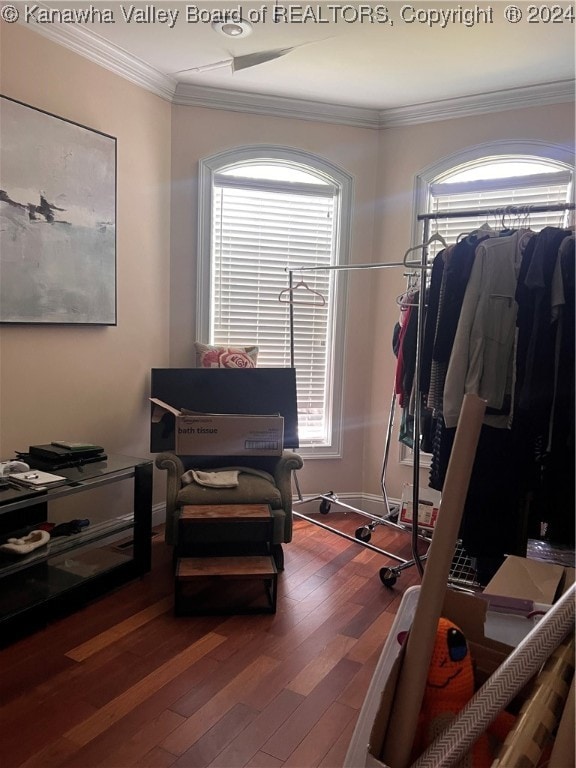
column 57, row 219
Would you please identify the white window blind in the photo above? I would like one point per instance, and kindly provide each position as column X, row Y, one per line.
column 260, row 228
column 499, row 194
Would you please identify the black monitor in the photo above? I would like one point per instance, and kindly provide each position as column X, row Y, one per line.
column 261, row 391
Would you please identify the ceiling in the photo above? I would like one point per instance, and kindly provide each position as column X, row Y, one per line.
column 364, row 57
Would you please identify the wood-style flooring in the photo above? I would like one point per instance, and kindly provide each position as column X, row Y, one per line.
column 123, row 682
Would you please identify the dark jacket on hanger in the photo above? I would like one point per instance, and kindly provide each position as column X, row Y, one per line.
column 538, row 387
column 458, row 271
column 431, row 321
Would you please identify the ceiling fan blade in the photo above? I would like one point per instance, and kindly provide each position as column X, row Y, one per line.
column 207, row 67
column 240, row 62
column 253, row 59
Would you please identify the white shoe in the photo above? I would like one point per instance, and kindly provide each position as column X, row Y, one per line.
column 27, row 543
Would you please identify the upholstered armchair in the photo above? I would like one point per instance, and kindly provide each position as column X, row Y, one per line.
column 261, row 480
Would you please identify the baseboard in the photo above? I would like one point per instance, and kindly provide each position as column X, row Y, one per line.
column 158, row 514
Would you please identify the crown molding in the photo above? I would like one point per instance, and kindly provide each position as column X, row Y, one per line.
column 481, row 103
column 92, row 46
column 444, row 109
column 274, row 106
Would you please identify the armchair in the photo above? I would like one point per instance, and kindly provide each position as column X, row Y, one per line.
column 262, row 480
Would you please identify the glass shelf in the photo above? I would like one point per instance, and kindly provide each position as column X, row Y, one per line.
column 75, row 568
column 12, row 563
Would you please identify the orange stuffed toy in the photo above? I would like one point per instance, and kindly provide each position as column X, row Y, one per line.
column 449, row 686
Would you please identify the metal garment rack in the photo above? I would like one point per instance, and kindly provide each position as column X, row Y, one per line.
column 389, row 575
column 327, row 499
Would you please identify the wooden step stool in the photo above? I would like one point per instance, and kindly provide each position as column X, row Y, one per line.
column 223, row 558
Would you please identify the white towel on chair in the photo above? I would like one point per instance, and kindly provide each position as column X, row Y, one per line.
column 225, row 479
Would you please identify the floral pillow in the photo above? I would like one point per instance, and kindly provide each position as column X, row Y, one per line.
column 225, row 357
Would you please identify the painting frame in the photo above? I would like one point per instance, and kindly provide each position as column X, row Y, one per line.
column 58, row 211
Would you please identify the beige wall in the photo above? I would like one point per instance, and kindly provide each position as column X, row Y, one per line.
column 91, row 383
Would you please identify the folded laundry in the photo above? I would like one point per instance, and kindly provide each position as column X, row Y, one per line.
column 222, row 479
column 26, row 544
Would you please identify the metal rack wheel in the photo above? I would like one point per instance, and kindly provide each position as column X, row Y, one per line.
column 363, row 533
column 388, row 577
column 325, row 506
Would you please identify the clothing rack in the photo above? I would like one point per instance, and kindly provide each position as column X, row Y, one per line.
column 426, row 218
column 327, row 499
column 389, row 575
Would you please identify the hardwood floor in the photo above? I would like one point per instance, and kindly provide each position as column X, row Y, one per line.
column 123, row 682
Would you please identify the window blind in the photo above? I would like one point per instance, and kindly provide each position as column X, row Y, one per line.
column 499, row 194
column 260, row 230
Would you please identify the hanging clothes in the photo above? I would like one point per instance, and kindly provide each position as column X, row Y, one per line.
column 543, row 425
column 500, row 323
column 431, row 322
column 408, row 346
column 404, row 344
column 560, row 478
column 398, row 345
column 460, row 259
column 538, row 377
column 482, row 357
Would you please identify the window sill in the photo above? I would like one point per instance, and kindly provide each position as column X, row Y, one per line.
column 318, row 452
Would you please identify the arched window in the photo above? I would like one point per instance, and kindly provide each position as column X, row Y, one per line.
column 498, row 176
column 264, row 210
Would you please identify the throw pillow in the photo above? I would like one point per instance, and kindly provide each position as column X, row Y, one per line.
column 225, row 357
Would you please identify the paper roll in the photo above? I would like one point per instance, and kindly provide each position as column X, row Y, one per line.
column 412, row 679
column 564, row 749
column 541, row 712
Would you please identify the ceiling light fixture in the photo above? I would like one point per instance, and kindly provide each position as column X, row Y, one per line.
column 233, row 28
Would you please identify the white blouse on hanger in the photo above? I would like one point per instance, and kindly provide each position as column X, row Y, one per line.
column 482, row 359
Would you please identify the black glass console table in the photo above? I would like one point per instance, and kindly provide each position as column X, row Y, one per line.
column 71, row 569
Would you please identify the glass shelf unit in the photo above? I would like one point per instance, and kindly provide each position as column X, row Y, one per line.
column 72, row 569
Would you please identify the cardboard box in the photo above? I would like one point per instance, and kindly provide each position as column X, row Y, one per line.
column 522, row 578
column 471, row 614
column 428, row 506
column 213, row 434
